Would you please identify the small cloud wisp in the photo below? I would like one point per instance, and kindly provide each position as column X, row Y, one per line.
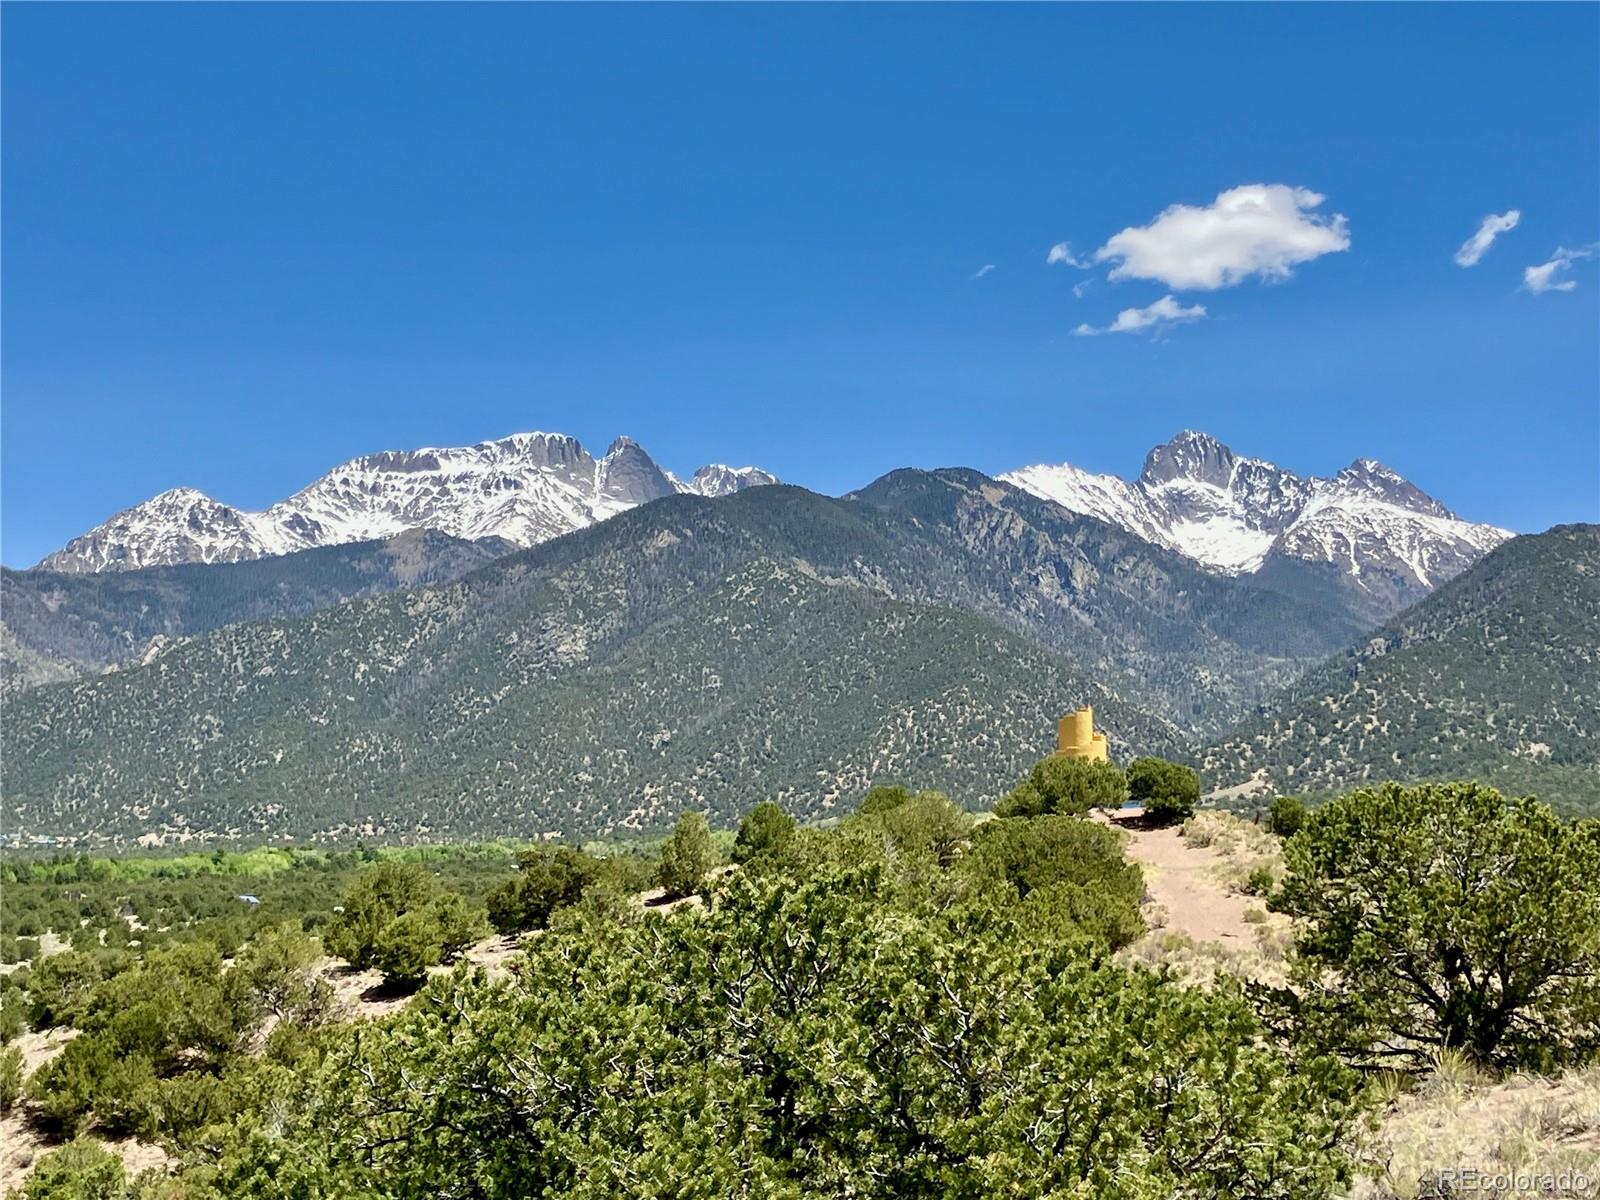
column 1475, row 247
column 1152, row 318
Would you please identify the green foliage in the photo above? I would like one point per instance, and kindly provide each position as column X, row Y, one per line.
column 66, row 1086
column 926, row 825
column 687, row 856
column 765, row 830
column 277, row 974
column 882, row 798
column 603, row 905
column 1075, row 867
column 404, row 947
column 81, row 1170
column 176, row 1011
column 12, row 1077
column 831, row 1034
column 459, row 924
column 1065, row 786
column 172, row 1006
column 1259, row 881
column 397, row 918
column 1286, row 816
column 548, row 877
column 1444, row 917
column 1167, row 791
column 13, row 1013
column 158, row 1040
column 60, row 985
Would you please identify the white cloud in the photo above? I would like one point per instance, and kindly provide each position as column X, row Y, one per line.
column 1476, row 246
column 1163, row 313
column 1543, row 278
column 1078, row 289
column 1061, row 252
column 983, row 270
column 1260, row 229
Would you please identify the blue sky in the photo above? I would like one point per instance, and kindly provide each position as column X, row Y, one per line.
column 244, row 243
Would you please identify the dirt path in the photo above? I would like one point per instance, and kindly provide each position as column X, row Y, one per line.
column 1179, row 877
column 1202, row 922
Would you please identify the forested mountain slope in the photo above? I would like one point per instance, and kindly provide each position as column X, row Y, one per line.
column 1198, row 647
column 689, row 653
column 1496, row 676
column 56, row 626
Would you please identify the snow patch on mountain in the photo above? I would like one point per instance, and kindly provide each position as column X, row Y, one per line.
column 719, row 480
column 1233, row 514
column 526, row 488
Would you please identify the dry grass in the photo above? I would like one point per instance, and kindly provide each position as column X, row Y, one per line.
column 1201, row 963
column 1242, row 847
column 1458, row 1119
column 1202, row 922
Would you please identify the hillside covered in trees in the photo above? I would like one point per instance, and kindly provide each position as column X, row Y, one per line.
column 705, row 654
column 689, row 653
column 55, row 626
column 1495, row 676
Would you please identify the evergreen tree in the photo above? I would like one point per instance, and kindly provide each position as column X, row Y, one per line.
column 687, row 856
column 1167, row 791
column 764, row 830
column 548, row 878
column 1067, row 786
column 1444, row 917
column 1286, row 816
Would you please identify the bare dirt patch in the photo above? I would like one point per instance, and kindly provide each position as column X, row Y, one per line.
column 39, row 1048
column 22, row 1145
column 494, row 954
column 1202, row 922
column 1182, row 878
column 364, row 994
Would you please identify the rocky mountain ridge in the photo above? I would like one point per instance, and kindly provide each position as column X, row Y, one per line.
column 56, row 626
column 1240, row 516
column 525, row 489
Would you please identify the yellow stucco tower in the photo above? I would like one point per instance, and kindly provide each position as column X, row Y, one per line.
column 1076, row 738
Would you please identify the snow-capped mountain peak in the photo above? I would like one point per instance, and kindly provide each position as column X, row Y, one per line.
column 525, row 488
column 1369, row 477
column 716, row 479
column 178, row 525
column 1235, row 514
column 1190, row 456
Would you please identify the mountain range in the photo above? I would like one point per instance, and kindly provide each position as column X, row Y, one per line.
column 1368, row 529
column 57, row 626
column 523, row 489
column 1366, row 532
column 686, row 653
column 711, row 642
